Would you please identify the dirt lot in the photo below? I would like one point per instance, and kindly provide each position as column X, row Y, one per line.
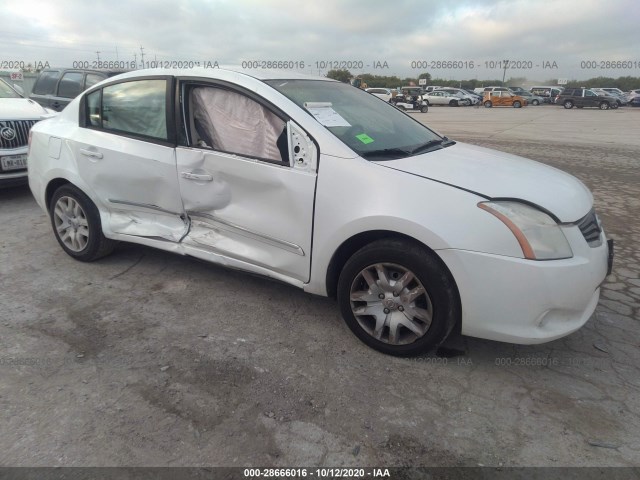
column 148, row 358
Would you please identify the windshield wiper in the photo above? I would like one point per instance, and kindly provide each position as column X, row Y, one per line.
column 444, row 142
column 387, row 152
column 426, row 146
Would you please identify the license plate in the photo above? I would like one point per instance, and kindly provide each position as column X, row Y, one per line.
column 14, row 162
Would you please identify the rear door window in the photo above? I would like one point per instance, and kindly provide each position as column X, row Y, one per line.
column 134, row 108
column 46, row 83
column 70, row 85
column 92, row 79
column 137, row 108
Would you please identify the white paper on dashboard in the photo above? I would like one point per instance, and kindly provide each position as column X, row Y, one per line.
column 326, row 115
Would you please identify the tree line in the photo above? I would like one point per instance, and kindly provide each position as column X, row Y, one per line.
column 384, row 81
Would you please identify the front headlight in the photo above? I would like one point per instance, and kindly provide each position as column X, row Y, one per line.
column 539, row 236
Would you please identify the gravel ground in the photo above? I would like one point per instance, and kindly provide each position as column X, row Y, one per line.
column 152, row 359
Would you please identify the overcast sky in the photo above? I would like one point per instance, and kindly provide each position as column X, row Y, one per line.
column 533, row 32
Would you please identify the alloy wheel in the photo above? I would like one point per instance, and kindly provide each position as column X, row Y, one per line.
column 391, row 304
column 71, row 224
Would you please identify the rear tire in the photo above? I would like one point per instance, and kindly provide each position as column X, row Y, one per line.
column 398, row 297
column 424, row 109
column 454, row 103
column 568, row 104
column 488, row 104
column 76, row 224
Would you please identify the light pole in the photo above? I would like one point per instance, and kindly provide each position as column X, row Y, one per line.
column 504, row 72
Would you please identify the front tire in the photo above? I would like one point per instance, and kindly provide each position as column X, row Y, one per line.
column 535, row 102
column 398, row 298
column 454, row 103
column 76, row 224
column 517, row 104
column 568, row 104
column 604, row 106
column 488, row 104
column 424, row 109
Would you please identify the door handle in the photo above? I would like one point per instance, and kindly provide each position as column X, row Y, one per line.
column 202, row 177
column 89, row 153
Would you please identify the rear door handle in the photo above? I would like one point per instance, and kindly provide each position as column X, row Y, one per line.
column 202, row 177
column 89, row 153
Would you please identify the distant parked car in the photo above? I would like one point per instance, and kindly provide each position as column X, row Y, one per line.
column 517, row 90
column 440, row 97
column 17, row 116
column 503, row 99
column 621, row 100
column 463, row 94
column 531, row 98
column 615, row 91
column 56, row 87
column 383, row 93
column 584, row 97
column 496, row 89
column 635, row 101
column 548, row 93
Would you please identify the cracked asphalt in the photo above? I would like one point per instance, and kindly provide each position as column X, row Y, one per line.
column 152, row 359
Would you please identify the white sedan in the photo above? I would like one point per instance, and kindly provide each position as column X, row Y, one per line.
column 383, row 93
column 442, row 97
column 322, row 186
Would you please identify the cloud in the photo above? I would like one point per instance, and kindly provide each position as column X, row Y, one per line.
column 397, row 32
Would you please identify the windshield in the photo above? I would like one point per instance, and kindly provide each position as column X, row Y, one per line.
column 7, row 92
column 369, row 126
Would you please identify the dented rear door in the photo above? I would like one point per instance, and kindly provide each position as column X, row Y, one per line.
column 126, row 155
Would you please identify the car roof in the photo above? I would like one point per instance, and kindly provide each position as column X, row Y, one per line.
column 222, row 72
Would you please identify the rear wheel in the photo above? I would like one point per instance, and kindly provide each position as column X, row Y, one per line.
column 568, row 104
column 488, row 104
column 424, row 109
column 397, row 297
column 453, row 103
column 76, row 225
column 604, row 106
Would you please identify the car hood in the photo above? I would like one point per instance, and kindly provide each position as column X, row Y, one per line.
column 21, row 109
column 496, row 175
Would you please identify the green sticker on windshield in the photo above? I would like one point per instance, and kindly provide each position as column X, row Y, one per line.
column 364, row 138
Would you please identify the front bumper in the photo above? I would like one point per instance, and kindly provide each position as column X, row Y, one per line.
column 13, row 179
column 526, row 301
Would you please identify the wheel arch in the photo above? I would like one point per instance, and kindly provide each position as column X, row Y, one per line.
column 354, row 243
column 51, row 188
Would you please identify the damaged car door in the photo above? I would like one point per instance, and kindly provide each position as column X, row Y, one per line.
column 126, row 155
column 247, row 176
